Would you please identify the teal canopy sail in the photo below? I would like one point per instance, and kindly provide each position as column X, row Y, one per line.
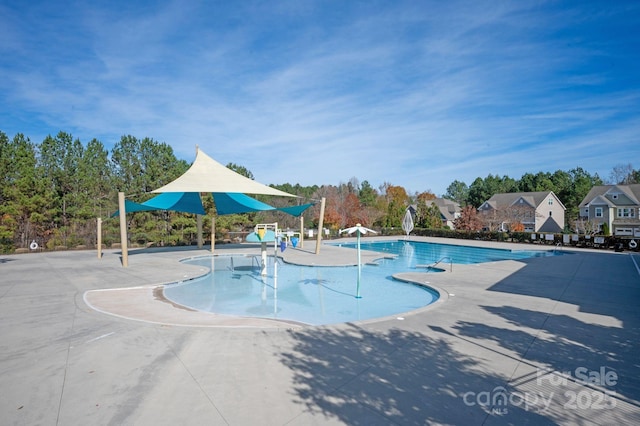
column 190, row 202
column 235, row 202
column 185, row 202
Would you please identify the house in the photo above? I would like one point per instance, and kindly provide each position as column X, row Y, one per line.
column 536, row 211
column 616, row 205
column 449, row 210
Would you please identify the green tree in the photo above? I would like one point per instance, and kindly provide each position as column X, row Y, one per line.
column 457, row 191
column 582, row 182
column 397, row 201
column 483, row 189
column 95, row 179
column 26, row 212
column 367, row 194
column 241, row 170
column 536, row 183
column 140, row 166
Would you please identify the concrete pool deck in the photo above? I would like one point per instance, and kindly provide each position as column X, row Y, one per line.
column 540, row 341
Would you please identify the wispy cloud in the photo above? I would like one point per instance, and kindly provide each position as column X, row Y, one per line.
column 412, row 93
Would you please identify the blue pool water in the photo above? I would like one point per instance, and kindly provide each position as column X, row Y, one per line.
column 420, row 253
column 323, row 295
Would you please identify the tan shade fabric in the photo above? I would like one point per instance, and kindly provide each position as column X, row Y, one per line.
column 207, row 175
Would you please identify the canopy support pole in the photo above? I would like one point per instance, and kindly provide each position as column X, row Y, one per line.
column 320, row 225
column 123, row 230
column 213, row 233
column 99, row 237
column 199, row 226
column 301, row 230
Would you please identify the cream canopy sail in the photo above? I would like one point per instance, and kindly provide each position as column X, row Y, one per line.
column 207, row 175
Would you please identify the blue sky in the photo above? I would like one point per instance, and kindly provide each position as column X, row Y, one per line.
column 413, row 93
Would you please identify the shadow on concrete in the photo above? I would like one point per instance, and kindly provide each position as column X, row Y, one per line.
column 603, row 330
column 566, row 345
column 598, row 283
column 363, row 377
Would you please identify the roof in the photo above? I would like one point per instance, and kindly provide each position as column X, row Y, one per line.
column 632, row 191
column 448, row 208
column 532, row 198
column 207, row 175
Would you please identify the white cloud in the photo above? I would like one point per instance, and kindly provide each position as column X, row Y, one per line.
column 415, row 94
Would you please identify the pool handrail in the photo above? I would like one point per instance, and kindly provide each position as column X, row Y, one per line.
column 445, row 257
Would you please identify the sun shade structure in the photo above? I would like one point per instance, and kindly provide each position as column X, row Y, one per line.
column 185, row 202
column 226, row 203
column 207, row 175
column 231, row 202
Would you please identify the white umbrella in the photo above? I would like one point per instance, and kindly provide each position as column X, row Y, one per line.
column 358, row 229
column 407, row 222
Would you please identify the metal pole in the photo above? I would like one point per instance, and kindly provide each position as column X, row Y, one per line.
column 263, row 259
column 359, row 266
column 320, row 225
column 123, row 230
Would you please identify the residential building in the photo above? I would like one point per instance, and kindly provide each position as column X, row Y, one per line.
column 616, row 205
column 535, row 211
column 449, row 210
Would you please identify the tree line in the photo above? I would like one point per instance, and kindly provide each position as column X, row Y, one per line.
column 52, row 193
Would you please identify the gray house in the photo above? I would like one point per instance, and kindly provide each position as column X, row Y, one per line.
column 616, row 205
column 536, row 211
column 449, row 210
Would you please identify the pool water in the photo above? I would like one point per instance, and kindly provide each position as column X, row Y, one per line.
column 422, row 253
column 323, row 295
column 305, row 294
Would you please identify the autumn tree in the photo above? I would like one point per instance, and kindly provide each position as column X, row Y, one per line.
column 428, row 214
column 397, row 200
column 468, row 220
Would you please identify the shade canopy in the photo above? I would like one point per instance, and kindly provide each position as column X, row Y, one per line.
column 207, row 175
column 190, row 202
column 232, row 202
column 185, row 202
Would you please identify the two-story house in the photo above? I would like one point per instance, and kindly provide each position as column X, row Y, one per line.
column 616, row 205
column 536, row 211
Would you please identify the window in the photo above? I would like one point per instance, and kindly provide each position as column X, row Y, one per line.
column 626, row 212
column 598, row 211
column 550, row 213
column 550, row 201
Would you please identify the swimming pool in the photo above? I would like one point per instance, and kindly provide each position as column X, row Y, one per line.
column 318, row 295
column 305, row 294
column 423, row 253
